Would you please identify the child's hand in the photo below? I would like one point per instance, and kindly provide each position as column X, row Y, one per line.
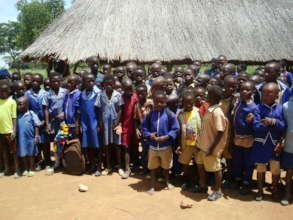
column 162, row 139
column 12, row 136
column 267, row 121
column 278, row 149
column 250, row 117
column 36, row 140
column 48, row 130
column 153, row 136
column 178, row 150
column 118, row 130
column 138, row 133
column 60, row 117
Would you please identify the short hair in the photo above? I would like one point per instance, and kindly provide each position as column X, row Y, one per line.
column 187, row 93
column 5, row 83
column 109, row 77
column 216, row 92
column 157, row 93
column 87, row 75
column 40, row 75
column 54, row 74
column 142, row 86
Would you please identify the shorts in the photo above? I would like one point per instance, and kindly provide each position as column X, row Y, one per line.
column 211, row 163
column 274, row 167
column 188, row 153
column 160, row 158
column 6, row 144
column 287, row 160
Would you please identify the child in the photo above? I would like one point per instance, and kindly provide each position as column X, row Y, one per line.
column 35, row 97
column 53, row 110
column 271, row 74
column 212, row 139
column 139, row 76
column 160, row 128
column 89, row 118
column 15, row 76
column 120, row 72
column 130, row 69
column 7, row 130
column 129, row 140
column 19, row 89
column 243, row 136
column 118, row 86
column 173, row 103
column 190, row 124
column 47, row 84
column 27, row 135
column 202, row 80
column 227, row 105
column 109, row 103
column 71, row 105
column 4, row 74
column 287, row 154
column 141, row 110
column 154, row 71
column 27, row 78
column 188, row 81
column 200, row 103
column 268, row 126
column 170, row 89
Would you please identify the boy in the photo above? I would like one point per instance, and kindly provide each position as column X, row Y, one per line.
column 27, row 79
column 53, row 109
column 120, row 72
column 15, row 76
column 243, row 136
column 188, row 81
column 190, row 124
column 287, row 154
column 271, row 74
column 200, row 103
column 19, row 89
column 268, row 126
column 7, row 130
column 160, row 128
column 212, row 139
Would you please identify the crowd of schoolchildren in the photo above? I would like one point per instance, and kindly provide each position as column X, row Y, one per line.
column 223, row 119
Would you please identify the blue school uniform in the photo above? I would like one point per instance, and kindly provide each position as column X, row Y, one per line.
column 89, row 118
column 109, row 109
column 71, row 107
column 163, row 122
column 284, row 93
column 266, row 137
column 241, row 167
column 54, row 102
column 36, row 105
column 26, row 122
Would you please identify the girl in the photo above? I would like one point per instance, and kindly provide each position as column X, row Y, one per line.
column 89, row 123
column 27, row 135
column 109, row 102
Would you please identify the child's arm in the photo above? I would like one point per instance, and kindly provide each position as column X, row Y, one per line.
column 172, row 134
column 218, row 137
column 46, row 113
column 37, row 134
column 14, row 129
column 118, row 120
column 257, row 123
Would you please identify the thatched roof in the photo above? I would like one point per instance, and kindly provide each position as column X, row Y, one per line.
column 167, row 30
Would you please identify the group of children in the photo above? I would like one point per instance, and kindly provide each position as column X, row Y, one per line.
column 219, row 120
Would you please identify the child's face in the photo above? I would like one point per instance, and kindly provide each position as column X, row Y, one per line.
column 118, row 87
column 127, row 89
column 188, row 103
column 47, row 85
column 20, row 89
column 202, row 80
column 172, row 103
column 188, row 76
column 141, row 93
column 71, row 83
column 27, row 80
column 155, row 71
column 199, row 96
column 269, row 95
column 160, row 102
column 15, row 77
column 22, row 105
column 120, row 72
column 271, row 73
column 108, row 86
column 36, row 82
column 179, row 72
column 131, row 70
column 89, row 82
column 55, row 82
column 230, row 87
column 246, row 91
column 4, row 92
column 139, row 76
column 169, row 86
column 107, row 69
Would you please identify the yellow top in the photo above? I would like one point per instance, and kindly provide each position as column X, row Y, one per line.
column 7, row 113
column 190, row 127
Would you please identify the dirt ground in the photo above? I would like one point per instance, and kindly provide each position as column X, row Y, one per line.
column 109, row 197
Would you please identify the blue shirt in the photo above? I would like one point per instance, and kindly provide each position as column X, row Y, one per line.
column 71, row 107
column 54, row 101
column 158, row 121
column 25, row 126
column 284, row 94
column 36, row 102
column 288, row 114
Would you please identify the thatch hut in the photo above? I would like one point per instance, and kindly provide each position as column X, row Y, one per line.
column 169, row 30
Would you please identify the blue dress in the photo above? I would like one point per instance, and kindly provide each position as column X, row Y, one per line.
column 89, row 118
column 109, row 109
column 266, row 137
column 36, row 105
column 26, row 133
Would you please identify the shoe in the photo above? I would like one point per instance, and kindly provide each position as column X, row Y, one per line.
column 120, row 172
column 284, row 202
column 49, row 171
column 2, row 174
column 105, row 172
column 31, row 173
column 215, row 196
column 170, row 186
column 25, row 173
column 126, row 174
column 38, row 167
column 185, row 187
column 259, row 196
column 98, row 173
column 16, row 175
